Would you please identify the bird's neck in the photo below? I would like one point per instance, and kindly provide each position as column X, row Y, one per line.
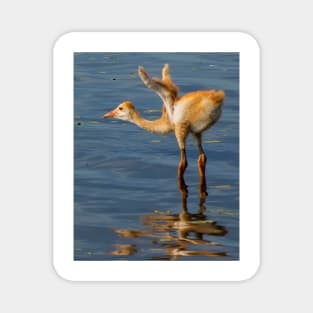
column 159, row 126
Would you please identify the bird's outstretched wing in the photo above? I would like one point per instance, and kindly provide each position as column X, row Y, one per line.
column 164, row 88
column 166, row 78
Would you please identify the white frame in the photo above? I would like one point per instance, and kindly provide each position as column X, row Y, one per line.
column 63, row 240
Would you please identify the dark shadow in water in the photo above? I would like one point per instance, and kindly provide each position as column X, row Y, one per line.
column 177, row 235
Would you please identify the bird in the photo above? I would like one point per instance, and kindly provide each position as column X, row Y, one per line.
column 192, row 113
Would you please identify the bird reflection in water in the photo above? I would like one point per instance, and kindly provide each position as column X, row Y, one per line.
column 177, row 235
column 124, row 250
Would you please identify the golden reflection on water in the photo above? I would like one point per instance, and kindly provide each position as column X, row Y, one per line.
column 177, row 235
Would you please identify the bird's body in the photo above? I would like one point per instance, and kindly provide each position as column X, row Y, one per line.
column 192, row 113
column 198, row 109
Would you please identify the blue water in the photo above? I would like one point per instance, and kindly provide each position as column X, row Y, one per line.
column 127, row 204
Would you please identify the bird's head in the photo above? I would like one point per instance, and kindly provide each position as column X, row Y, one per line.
column 123, row 111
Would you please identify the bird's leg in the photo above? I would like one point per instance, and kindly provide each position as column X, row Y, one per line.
column 202, row 198
column 184, row 193
column 181, row 169
column 201, row 164
column 181, row 132
column 182, row 163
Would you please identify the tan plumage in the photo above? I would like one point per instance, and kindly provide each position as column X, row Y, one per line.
column 192, row 113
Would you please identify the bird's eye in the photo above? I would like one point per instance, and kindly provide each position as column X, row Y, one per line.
column 120, row 108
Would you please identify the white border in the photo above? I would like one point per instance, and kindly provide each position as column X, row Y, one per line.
column 64, row 48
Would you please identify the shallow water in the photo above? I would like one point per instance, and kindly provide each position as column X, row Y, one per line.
column 127, row 202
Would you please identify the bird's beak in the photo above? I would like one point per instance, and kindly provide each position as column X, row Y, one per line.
column 110, row 114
